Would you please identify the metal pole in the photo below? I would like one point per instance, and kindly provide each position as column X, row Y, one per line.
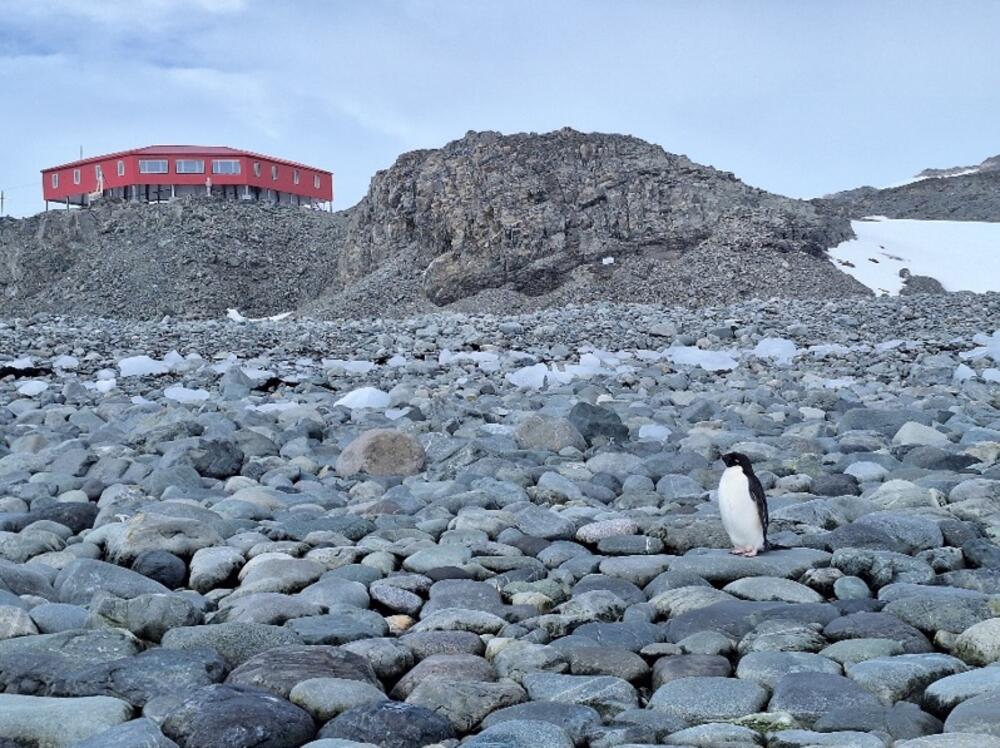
column 1, row 203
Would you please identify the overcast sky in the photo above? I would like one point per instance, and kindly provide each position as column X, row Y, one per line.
column 801, row 97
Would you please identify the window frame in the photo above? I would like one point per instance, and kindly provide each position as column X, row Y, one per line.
column 274, row 172
column 121, row 168
column 235, row 162
column 144, row 162
column 198, row 166
column 55, row 180
column 295, row 176
column 317, row 181
column 256, row 169
column 98, row 172
column 76, row 176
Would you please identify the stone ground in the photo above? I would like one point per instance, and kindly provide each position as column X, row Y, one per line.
column 501, row 531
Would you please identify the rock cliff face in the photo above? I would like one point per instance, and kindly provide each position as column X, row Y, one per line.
column 521, row 212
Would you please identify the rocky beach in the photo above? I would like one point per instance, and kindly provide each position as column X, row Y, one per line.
column 501, row 530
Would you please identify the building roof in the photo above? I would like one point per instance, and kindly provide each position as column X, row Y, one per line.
column 185, row 150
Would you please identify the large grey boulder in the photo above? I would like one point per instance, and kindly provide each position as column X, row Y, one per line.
column 708, row 699
column 58, row 723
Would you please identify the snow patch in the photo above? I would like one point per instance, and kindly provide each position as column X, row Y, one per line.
column 365, row 397
column 183, row 394
column 351, row 366
column 988, row 346
column 529, row 377
column 780, row 350
column 708, row 360
column 141, row 366
column 962, row 255
column 32, row 387
column 235, row 316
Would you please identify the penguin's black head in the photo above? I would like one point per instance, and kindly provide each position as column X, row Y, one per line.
column 734, row 459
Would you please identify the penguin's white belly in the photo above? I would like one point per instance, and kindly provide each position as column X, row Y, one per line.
column 739, row 510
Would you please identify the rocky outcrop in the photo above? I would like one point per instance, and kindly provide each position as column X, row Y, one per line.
column 523, row 212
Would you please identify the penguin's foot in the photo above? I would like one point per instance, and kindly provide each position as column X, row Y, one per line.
column 747, row 550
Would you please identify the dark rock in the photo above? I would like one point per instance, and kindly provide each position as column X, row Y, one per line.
column 279, row 669
column 808, row 696
column 138, row 679
column 594, row 421
column 389, row 724
column 162, row 567
column 231, row 716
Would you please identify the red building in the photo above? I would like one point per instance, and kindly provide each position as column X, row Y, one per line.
column 162, row 172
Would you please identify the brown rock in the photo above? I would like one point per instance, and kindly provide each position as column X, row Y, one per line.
column 382, row 452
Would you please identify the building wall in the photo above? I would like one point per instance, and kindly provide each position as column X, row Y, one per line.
column 282, row 180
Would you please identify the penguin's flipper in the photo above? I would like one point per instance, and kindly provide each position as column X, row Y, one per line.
column 757, row 492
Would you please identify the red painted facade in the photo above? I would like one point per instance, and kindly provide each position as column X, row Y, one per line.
column 123, row 175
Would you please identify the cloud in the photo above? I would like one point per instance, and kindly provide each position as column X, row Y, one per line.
column 803, row 101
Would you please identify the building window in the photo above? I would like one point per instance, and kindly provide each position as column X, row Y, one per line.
column 274, row 173
column 153, row 166
column 256, row 168
column 226, row 166
column 190, row 166
column 295, row 176
column 316, row 181
column 55, row 180
column 121, row 168
column 76, row 176
column 98, row 172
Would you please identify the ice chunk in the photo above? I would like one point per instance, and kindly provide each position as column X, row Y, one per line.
column 888, row 345
column 275, row 407
column 608, row 261
column 991, row 375
column 780, row 350
column 235, row 316
column 141, row 366
column 66, row 362
column 529, row 377
column 989, row 345
column 654, row 432
column 352, row 366
column 256, row 373
column 687, row 355
column 396, row 361
column 963, row 372
column 32, row 387
column 394, row 414
column 24, row 362
column 828, row 349
column 183, row 394
column 561, row 376
column 173, row 358
column 365, row 397
column 105, row 385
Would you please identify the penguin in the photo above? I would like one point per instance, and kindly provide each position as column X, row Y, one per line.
column 743, row 506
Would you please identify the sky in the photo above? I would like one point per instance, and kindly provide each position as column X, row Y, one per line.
column 800, row 97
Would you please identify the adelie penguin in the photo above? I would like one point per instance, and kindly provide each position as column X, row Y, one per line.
column 743, row 506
